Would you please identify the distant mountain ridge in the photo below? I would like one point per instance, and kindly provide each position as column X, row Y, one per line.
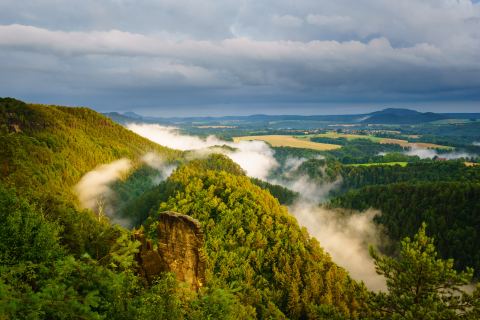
column 385, row 116
column 402, row 116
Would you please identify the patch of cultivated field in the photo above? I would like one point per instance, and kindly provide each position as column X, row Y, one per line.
column 398, row 163
column 430, row 146
column 401, row 142
column 335, row 135
column 423, row 145
column 472, row 164
column 289, row 141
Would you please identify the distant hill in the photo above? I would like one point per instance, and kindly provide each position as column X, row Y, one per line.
column 133, row 115
column 385, row 116
column 402, row 116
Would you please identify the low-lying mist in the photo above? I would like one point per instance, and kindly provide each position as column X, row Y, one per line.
column 345, row 237
column 255, row 157
column 424, row 153
column 94, row 189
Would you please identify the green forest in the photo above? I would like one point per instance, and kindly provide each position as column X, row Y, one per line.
column 58, row 261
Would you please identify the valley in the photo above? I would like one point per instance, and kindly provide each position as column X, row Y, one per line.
column 289, row 223
column 240, row 160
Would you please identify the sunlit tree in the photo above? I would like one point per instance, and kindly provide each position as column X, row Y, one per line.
column 422, row 286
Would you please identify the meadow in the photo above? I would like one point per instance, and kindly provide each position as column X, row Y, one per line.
column 289, row 141
column 400, row 142
column 396, row 163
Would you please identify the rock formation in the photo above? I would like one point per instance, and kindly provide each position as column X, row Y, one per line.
column 179, row 250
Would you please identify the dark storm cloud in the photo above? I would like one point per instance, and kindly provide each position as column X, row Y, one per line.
column 162, row 54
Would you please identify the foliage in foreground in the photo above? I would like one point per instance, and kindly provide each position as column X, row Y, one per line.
column 39, row 279
column 422, row 286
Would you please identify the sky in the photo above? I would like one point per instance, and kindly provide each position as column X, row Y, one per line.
column 225, row 57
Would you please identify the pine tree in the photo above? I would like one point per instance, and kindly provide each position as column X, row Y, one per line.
column 421, row 286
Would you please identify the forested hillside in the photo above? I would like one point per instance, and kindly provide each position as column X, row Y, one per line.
column 52, row 146
column 450, row 209
column 441, row 171
column 60, row 262
column 46, row 151
column 273, row 264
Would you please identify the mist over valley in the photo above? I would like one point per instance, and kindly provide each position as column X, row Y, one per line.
column 238, row 160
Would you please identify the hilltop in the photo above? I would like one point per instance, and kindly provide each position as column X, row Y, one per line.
column 385, row 116
column 401, row 116
column 51, row 147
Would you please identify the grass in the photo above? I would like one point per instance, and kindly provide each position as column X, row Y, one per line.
column 398, row 163
column 401, row 142
column 430, row 146
column 289, row 141
column 472, row 164
column 335, row 135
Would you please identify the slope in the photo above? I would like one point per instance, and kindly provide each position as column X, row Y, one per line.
column 44, row 152
column 401, row 116
column 450, row 209
column 254, row 245
column 51, row 147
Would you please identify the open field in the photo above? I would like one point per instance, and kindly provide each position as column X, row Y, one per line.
column 402, row 164
column 472, row 164
column 289, row 141
column 401, row 142
column 430, row 146
column 422, row 145
column 335, row 135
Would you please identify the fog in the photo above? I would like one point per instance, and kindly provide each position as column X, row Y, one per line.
column 424, row 153
column 345, row 237
column 94, row 191
column 155, row 161
column 94, row 188
column 255, row 157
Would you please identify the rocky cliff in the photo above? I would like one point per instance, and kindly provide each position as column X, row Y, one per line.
column 179, row 248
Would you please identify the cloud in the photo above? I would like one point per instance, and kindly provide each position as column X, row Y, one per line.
column 330, row 21
column 287, row 21
column 237, row 61
column 127, row 55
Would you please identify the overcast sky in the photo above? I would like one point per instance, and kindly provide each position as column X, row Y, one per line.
column 191, row 57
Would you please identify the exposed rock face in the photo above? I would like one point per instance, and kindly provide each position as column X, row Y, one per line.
column 180, row 243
